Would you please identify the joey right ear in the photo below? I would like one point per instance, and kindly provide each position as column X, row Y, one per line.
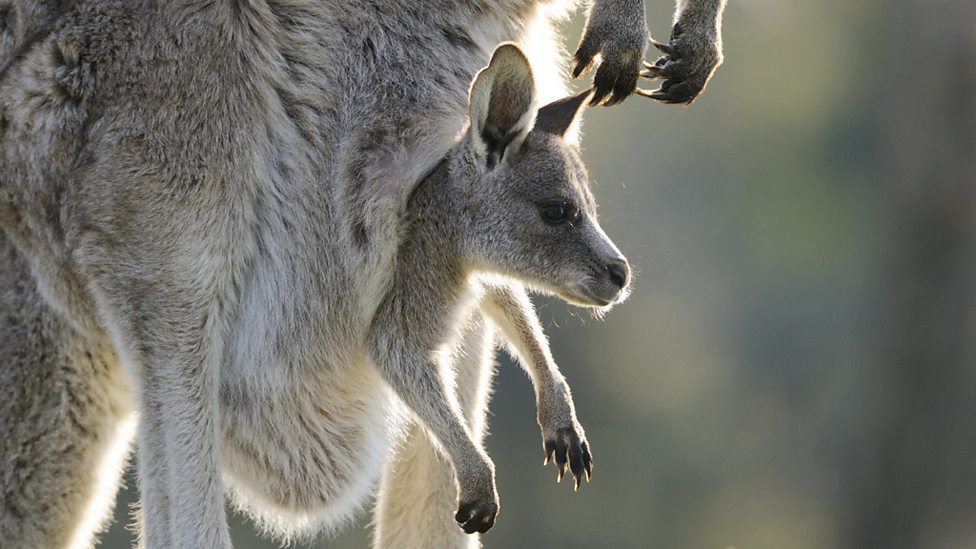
column 500, row 104
column 557, row 117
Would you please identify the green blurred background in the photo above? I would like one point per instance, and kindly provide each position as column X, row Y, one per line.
column 795, row 367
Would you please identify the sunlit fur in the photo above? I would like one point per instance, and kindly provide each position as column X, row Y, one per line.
column 204, row 214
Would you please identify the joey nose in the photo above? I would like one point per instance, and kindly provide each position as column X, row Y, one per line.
column 619, row 272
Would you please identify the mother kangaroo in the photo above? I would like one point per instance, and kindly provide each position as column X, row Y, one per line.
column 203, row 205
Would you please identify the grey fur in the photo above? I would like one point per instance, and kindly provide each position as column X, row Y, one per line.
column 208, row 201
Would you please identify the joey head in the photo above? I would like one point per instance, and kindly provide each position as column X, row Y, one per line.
column 529, row 212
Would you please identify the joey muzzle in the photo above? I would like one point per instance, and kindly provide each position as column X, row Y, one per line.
column 606, row 284
column 610, row 285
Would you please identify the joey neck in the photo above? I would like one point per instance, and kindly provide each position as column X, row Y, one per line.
column 425, row 201
column 433, row 222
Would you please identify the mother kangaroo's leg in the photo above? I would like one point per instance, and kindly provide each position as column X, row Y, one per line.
column 64, row 417
column 418, row 494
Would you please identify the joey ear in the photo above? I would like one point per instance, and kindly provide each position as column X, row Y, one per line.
column 558, row 116
column 500, row 103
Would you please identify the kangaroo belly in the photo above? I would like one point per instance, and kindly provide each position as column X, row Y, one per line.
column 309, row 457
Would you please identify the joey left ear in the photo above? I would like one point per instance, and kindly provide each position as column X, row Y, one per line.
column 500, row 103
column 557, row 117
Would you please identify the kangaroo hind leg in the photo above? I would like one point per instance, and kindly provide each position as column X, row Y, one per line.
column 66, row 420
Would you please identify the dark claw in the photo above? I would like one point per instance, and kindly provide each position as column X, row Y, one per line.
column 584, row 56
column 570, row 452
column 561, row 460
column 576, row 464
column 476, row 517
column 613, row 83
column 673, row 93
column 463, row 516
column 660, row 95
column 664, row 97
column 581, row 66
column 689, row 60
column 626, row 83
column 656, row 66
column 662, row 68
column 464, row 512
column 652, row 73
column 665, row 48
column 645, row 93
column 587, row 461
column 674, row 90
column 602, row 84
column 598, row 95
column 660, row 65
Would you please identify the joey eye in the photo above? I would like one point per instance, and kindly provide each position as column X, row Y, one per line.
column 556, row 213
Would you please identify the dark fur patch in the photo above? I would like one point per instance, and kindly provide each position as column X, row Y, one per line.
column 8, row 18
column 57, row 54
column 369, row 50
column 460, row 38
column 359, row 234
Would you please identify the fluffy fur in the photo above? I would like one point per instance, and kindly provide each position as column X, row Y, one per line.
column 264, row 226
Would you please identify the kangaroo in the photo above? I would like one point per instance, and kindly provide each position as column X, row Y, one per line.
column 205, row 216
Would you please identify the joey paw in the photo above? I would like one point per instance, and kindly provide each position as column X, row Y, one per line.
column 620, row 46
column 569, row 446
column 689, row 61
column 476, row 516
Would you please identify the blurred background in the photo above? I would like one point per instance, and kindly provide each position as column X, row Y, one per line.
column 796, row 367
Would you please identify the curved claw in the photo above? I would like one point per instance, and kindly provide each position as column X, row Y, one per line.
column 570, row 451
column 652, row 73
column 659, row 64
column 665, row 48
column 584, row 55
column 615, row 80
column 576, row 464
column 587, row 461
column 672, row 95
column 689, row 60
column 624, row 87
column 561, row 461
column 643, row 93
column 599, row 94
